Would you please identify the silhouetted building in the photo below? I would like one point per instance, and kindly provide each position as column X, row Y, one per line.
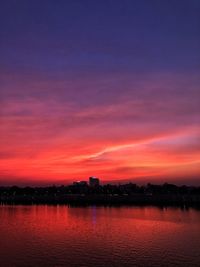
column 93, row 181
column 80, row 183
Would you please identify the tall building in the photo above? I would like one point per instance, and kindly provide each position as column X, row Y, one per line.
column 93, row 181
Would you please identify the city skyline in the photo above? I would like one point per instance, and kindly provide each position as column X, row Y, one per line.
column 103, row 88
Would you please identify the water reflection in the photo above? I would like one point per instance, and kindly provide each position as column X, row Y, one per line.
column 98, row 236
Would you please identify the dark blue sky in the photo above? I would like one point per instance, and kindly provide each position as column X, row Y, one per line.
column 111, row 35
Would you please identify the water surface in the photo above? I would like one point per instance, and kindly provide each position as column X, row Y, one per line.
column 98, row 236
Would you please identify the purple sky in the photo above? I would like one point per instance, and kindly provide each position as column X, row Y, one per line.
column 105, row 88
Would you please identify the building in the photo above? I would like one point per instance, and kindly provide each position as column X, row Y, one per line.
column 93, row 181
column 80, row 183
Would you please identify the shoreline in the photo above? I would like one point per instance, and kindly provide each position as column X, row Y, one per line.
column 162, row 200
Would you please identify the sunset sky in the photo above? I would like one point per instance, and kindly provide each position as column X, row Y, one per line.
column 103, row 88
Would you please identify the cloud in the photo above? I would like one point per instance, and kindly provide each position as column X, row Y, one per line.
column 150, row 123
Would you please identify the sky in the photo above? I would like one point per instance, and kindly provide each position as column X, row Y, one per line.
column 99, row 88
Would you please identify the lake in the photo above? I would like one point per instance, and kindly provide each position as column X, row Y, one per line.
column 98, row 236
